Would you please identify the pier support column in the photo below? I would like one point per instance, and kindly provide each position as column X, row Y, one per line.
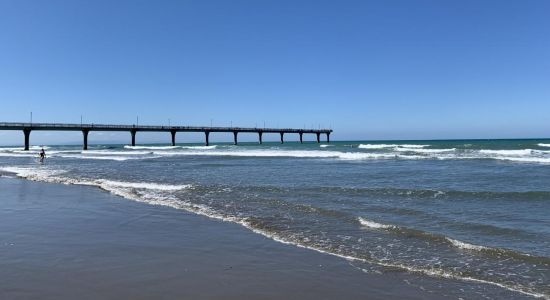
column 133, row 132
column 282, row 139
column 328, row 137
column 27, row 133
column 301, row 137
column 173, row 133
column 207, row 135
column 260, row 137
column 235, row 137
column 85, row 135
column 318, row 137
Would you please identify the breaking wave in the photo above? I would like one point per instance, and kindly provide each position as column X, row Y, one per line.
column 169, row 147
column 384, row 146
column 106, row 152
column 108, row 157
column 150, row 147
column 372, row 224
column 542, row 160
column 336, row 151
column 199, row 147
column 376, row 146
column 421, row 150
column 463, row 245
column 519, row 152
column 287, row 153
column 53, row 176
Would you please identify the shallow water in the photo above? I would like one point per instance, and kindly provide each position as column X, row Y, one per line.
column 474, row 210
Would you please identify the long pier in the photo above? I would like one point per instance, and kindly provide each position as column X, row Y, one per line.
column 27, row 128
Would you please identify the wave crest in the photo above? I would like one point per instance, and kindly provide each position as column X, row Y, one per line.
column 376, row 146
column 375, row 225
column 150, row 147
column 463, row 245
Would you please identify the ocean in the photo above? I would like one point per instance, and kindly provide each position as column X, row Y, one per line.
column 476, row 211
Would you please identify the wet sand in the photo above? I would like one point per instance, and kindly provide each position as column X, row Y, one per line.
column 78, row 242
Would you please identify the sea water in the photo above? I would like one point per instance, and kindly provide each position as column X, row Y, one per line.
column 476, row 211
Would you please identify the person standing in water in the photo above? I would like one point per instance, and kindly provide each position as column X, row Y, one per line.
column 42, row 155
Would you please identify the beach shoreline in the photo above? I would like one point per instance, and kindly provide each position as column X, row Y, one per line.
column 62, row 242
column 67, row 241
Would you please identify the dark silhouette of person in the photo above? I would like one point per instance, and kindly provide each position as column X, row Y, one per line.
column 42, row 155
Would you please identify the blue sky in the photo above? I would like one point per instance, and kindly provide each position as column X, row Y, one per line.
column 410, row 69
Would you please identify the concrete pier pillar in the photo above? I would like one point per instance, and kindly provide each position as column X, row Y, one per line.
column 282, row 139
column 27, row 133
column 260, row 137
column 173, row 133
column 318, row 137
column 328, row 137
column 207, row 135
column 85, row 135
column 133, row 132
column 301, row 137
column 235, row 137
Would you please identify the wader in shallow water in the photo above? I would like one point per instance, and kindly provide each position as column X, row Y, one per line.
column 42, row 155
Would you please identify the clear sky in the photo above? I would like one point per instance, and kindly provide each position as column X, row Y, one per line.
column 385, row 69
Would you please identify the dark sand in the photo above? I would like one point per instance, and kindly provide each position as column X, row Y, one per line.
column 78, row 242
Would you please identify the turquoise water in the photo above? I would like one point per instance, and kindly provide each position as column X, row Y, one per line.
column 477, row 211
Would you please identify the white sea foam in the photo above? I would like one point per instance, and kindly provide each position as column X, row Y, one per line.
column 13, row 154
column 519, row 155
column 543, row 145
column 151, row 147
column 285, row 153
column 31, row 148
column 50, row 175
column 109, row 157
column 199, row 147
column 421, row 150
column 413, row 146
column 394, row 151
column 38, row 174
column 107, row 152
column 395, row 146
column 39, row 147
column 325, row 146
column 143, row 185
column 170, row 147
column 519, row 152
column 542, row 160
column 2, row 149
column 372, row 224
column 463, row 245
column 376, row 146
